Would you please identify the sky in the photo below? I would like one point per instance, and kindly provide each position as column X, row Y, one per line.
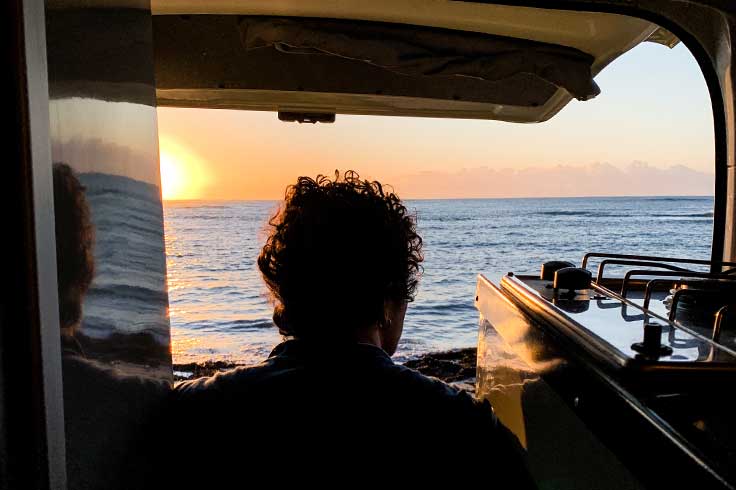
column 649, row 132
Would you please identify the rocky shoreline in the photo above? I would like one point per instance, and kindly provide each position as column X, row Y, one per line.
column 456, row 367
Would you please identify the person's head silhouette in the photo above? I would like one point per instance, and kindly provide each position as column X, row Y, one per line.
column 74, row 245
column 342, row 261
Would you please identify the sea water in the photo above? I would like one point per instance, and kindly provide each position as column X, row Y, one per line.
column 220, row 309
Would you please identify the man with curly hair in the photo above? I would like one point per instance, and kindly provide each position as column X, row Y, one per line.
column 342, row 262
column 74, row 246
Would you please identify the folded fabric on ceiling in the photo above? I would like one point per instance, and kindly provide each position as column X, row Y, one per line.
column 424, row 51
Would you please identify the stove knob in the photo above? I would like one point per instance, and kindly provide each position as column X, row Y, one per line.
column 652, row 337
column 652, row 346
column 572, row 278
column 549, row 268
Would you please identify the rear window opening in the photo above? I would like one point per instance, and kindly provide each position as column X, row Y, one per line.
column 525, row 141
column 630, row 171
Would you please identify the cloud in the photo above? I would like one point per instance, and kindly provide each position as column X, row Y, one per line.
column 597, row 179
column 97, row 155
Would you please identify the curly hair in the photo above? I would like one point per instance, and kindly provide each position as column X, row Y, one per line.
column 74, row 244
column 337, row 251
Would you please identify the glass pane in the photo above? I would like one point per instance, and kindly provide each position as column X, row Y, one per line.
column 110, row 243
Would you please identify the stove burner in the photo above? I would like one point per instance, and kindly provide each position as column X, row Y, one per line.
column 699, row 300
column 695, row 296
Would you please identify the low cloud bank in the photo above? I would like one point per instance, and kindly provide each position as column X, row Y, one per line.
column 598, row 179
column 97, row 155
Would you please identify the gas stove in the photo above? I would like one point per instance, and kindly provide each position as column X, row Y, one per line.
column 637, row 355
column 657, row 317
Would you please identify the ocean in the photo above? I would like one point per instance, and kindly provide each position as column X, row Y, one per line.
column 219, row 308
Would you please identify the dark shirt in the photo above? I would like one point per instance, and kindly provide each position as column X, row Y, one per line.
column 107, row 422
column 325, row 413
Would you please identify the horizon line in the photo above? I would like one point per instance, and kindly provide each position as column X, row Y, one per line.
column 468, row 198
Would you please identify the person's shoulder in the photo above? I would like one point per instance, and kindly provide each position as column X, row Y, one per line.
column 226, row 383
column 435, row 392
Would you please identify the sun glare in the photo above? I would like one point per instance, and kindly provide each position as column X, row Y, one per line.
column 182, row 175
column 171, row 177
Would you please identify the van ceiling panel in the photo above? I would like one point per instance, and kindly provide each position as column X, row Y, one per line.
column 419, row 51
column 605, row 36
column 202, row 62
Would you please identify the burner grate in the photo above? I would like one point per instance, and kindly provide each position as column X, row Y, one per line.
column 712, row 289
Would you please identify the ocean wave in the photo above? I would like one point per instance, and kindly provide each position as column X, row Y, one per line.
column 684, row 215
column 587, row 214
column 129, row 229
column 197, row 206
column 215, row 217
column 230, row 326
column 445, row 281
column 442, row 308
column 451, row 219
column 605, row 214
column 100, row 183
column 120, row 291
column 247, row 324
column 175, row 206
column 129, row 202
column 676, row 199
column 101, row 329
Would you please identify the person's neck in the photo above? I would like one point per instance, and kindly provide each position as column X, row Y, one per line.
column 370, row 336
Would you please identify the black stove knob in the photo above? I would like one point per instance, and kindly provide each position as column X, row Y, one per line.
column 652, row 346
column 549, row 268
column 572, row 278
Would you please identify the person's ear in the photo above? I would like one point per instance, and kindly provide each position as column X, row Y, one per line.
column 385, row 323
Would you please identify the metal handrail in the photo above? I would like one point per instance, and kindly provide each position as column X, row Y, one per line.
column 602, row 265
column 685, row 292
column 718, row 323
column 654, row 315
column 650, row 288
column 716, row 335
column 645, row 272
column 653, row 258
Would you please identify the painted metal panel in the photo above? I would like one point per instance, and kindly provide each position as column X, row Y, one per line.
column 562, row 451
column 31, row 405
column 582, row 425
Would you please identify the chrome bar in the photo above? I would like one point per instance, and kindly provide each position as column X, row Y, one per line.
column 718, row 323
column 685, row 292
column 644, row 272
column 650, row 288
column 652, row 258
column 601, row 266
column 654, row 315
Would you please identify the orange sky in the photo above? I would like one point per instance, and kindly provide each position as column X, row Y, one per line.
column 651, row 123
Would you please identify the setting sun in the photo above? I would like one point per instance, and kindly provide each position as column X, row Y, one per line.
column 172, row 181
column 182, row 174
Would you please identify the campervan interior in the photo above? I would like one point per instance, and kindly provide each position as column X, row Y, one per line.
column 603, row 368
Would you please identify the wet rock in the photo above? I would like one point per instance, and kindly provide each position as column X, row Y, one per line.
column 451, row 366
column 194, row 370
column 456, row 367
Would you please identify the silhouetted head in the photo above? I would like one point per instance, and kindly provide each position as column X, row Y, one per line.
column 74, row 245
column 343, row 256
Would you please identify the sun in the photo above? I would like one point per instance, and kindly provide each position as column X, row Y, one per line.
column 172, row 178
column 183, row 176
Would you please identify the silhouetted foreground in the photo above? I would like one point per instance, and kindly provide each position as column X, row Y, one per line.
column 455, row 366
column 328, row 405
column 314, row 412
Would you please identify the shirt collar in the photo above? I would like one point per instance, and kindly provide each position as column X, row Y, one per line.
column 300, row 348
